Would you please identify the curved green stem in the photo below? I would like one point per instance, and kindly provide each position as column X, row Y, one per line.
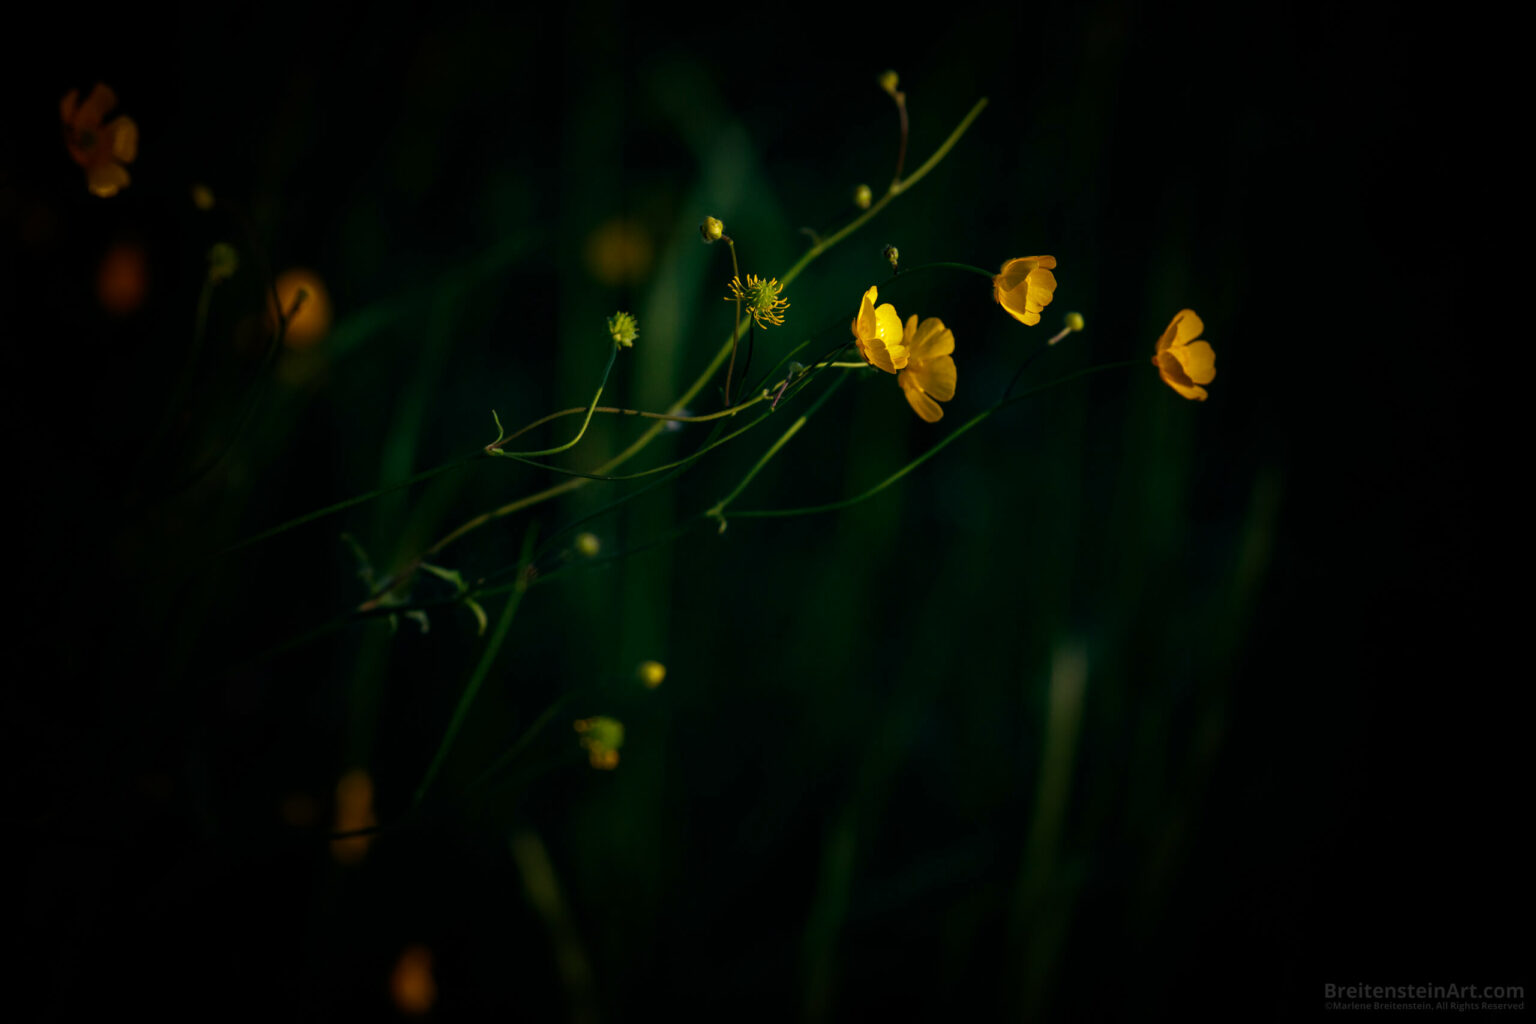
column 612, row 357
column 724, row 352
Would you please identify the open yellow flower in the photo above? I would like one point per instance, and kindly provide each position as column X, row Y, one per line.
column 1185, row 363
column 1025, row 286
column 930, row 370
column 877, row 330
column 101, row 149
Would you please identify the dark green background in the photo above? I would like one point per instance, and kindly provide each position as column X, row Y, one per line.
column 1296, row 754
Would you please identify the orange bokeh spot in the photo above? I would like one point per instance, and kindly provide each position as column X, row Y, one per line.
column 123, row 278
column 310, row 324
column 412, row 985
column 354, row 810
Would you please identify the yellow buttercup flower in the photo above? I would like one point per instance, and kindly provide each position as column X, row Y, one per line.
column 1025, row 286
column 1185, row 363
column 761, row 297
column 877, row 330
column 930, row 370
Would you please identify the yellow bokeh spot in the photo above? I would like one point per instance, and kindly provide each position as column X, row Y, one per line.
column 312, row 321
column 588, row 545
column 620, row 252
column 412, row 984
column 202, row 197
column 651, row 673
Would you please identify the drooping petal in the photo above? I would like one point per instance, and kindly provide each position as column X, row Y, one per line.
column 935, row 376
column 921, row 404
column 1198, row 361
column 124, row 133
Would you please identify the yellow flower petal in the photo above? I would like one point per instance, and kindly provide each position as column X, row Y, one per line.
column 935, row 376
column 1025, row 286
column 877, row 330
column 929, row 339
column 1185, row 364
column 95, row 107
column 1198, row 360
column 105, row 178
column 124, row 132
column 921, row 404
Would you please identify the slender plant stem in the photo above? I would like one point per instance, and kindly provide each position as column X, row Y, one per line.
column 720, row 357
column 612, row 356
column 736, row 330
column 718, row 511
column 953, row 436
column 482, row 669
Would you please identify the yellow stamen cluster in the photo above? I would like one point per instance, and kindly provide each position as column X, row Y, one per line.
column 761, row 297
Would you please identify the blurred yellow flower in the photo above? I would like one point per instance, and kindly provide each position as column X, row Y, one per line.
column 930, row 370
column 1185, row 363
column 651, row 673
column 602, row 737
column 101, row 149
column 1025, row 286
column 877, row 330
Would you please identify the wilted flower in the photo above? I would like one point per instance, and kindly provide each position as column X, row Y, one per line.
column 877, row 330
column 1185, row 363
column 1025, row 286
column 101, row 149
column 761, row 297
column 930, row 370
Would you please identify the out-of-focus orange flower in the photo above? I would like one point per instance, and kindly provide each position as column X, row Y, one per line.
column 123, row 278
column 101, row 149
column 354, row 810
column 312, row 321
column 1185, row 363
column 1025, row 286
column 412, row 985
column 620, row 252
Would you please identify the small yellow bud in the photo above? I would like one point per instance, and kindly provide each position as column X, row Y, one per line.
column 588, row 545
column 862, row 197
column 888, row 82
column 223, row 261
column 1074, row 321
column 202, row 197
column 712, row 229
column 892, row 254
column 651, row 673
column 624, row 328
